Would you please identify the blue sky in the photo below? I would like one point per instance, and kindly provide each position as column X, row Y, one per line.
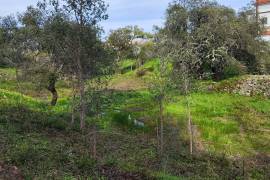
column 144, row 13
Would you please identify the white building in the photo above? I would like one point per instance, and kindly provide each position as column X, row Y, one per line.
column 141, row 40
column 263, row 13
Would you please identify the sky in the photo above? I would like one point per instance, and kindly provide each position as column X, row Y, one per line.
column 144, row 13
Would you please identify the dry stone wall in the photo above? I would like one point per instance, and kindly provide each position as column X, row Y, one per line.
column 253, row 85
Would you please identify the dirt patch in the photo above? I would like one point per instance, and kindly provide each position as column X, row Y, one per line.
column 10, row 172
column 198, row 144
column 128, row 85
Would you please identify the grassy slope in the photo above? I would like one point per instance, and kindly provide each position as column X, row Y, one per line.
column 8, row 82
column 230, row 124
column 40, row 141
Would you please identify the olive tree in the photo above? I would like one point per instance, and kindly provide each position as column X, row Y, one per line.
column 221, row 37
column 29, row 42
column 82, row 48
column 159, row 86
column 120, row 40
column 9, row 54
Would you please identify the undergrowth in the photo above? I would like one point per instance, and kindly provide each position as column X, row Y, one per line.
column 39, row 139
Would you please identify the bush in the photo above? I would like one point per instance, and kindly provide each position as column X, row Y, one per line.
column 4, row 63
column 234, row 68
column 110, row 161
column 141, row 72
column 25, row 153
column 57, row 124
column 86, row 163
column 122, row 119
column 127, row 65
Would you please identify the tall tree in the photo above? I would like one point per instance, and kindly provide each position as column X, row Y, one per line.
column 9, row 54
column 31, row 37
column 220, row 37
column 120, row 40
column 81, row 46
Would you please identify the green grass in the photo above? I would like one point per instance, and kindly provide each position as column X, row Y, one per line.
column 39, row 139
column 9, row 82
column 129, row 78
column 221, row 119
column 127, row 64
column 7, row 73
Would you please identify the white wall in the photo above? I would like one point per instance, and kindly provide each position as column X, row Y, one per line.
column 264, row 12
column 264, row 8
column 266, row 38
column 266, row 15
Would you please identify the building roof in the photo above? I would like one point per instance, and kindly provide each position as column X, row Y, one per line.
column 262, row 2
column 140, row 41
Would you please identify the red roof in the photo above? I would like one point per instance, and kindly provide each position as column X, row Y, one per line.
column 266, row 33
column 260, row 2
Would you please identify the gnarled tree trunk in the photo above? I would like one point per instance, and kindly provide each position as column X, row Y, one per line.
column 52, row 89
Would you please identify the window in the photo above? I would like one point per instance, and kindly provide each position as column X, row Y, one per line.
column 264, row 20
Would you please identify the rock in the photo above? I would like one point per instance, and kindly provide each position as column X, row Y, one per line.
column 252, row 86
column 138, row 123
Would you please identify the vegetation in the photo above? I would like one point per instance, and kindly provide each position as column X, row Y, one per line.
column 160, row 114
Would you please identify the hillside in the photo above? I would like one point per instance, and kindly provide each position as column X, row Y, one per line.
column 231, row 132
column 84, row 100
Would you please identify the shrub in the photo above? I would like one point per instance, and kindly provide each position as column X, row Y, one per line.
column 127, row 65
column 86, row 163
column 56, row 124
column 141, row 72
column 110, row 161
column 234, row 68
column 122, row 119
column 26, row 154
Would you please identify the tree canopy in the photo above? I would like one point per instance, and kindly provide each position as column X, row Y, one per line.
column 219, row 36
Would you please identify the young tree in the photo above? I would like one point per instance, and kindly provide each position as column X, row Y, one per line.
column 159, row 86
column 95, row 92
column 184, row 62
column 174, row 43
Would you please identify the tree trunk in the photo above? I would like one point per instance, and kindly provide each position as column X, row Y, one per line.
column 80, row 69
column 217, row 74
column 82, row 103
column 95, row 142
column 161, row 125
column 158, row 134
column 17, row 73
column 73, row 102
column 190, row 129
column 52, row 89
column 54, row 97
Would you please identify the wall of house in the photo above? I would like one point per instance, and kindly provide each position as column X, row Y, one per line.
column 263, row 10
column 266, row 37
